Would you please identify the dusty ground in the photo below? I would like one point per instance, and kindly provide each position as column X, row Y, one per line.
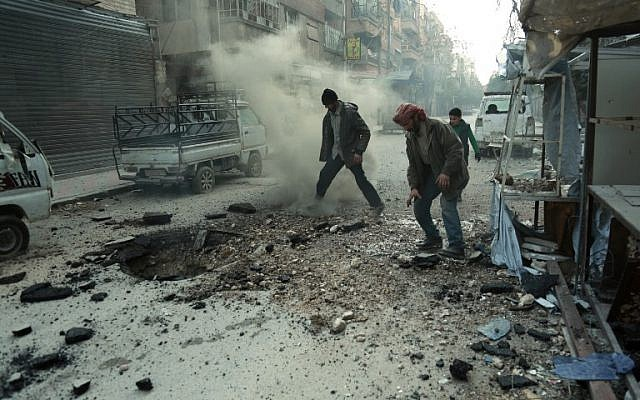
column 251, row 319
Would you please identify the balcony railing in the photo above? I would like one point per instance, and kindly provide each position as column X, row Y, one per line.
column 261, row 12
column 333, row 39
column 366, row 9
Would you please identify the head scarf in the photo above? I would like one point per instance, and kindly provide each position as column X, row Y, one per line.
column 405, row 113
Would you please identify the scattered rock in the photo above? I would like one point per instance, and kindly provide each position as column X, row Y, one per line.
column 514, row 381
column 459, row 369
column 156, row 218
column 523, row 363
column 16, row 381
column 348, row 315
column 475, row 256
column 440, row 363
column 497, row 351
column 338, row 326
column 98, row 296
column 87, row 286
column 497, row 287
column 526, row 300
column 22, row 330
column 477, row 346
column 242, row 208
column 540, row 335
column 100, row 218
column 334, row 228
column 519, row 329
column 269, row 248
column 144, row 384
column 321, row 226
column 120, row 241
column 284, row 278
column 46, row 361
column 424, row 377
column 497, row 362
column 216, row 216
column 352, row 225
column 360, row 338
column 15, row 278
column 81, row 386
column 198, row 305
column 44, row 292
column 76, row 335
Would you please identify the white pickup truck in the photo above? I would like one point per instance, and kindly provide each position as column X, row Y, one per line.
column 189, row 142
column 26, row 188
column 491, row 124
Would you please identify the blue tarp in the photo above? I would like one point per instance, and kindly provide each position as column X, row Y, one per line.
column 594, row 367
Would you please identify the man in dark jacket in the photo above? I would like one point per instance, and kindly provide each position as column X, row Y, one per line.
column 345, row 137
column 463, row 130
column 436, row 166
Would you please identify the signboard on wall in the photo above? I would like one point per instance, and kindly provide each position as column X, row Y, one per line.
column 354, row 49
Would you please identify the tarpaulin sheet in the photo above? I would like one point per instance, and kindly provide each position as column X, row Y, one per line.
column 594, row 367
column 505, row 249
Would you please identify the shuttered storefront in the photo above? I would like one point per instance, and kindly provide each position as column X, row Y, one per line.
column 62, row 72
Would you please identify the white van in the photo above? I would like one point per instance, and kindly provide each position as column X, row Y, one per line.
column 26, row 188
column 491, row 124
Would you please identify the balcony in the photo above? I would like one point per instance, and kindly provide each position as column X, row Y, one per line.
column 410, row 52
column 260, row 13
column 333, row 39
column 365, row 17
column 409, row 25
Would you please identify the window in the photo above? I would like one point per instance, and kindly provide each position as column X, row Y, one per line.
column 184, row 9
column 176, row 10
column 247, row 117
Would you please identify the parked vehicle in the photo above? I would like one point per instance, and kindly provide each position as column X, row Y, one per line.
column 189, row 142
column 26, row 188
column 491, row 123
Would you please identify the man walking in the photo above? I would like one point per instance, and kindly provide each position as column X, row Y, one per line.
column 436, row 166
column 463, row 130
column 345, row 137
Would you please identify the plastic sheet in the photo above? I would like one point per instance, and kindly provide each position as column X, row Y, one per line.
column 505, row 249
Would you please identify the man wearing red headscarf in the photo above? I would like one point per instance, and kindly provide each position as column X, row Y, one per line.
column 436, row 166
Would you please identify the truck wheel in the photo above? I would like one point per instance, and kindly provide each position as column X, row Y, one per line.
column 203, row 180
column 14, row 236
column 254, row 165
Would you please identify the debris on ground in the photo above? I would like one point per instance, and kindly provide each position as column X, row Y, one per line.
column 44, row 292
column 14, row 278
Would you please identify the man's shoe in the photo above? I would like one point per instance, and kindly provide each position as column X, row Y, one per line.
column 457, row 253
column 377, row 210
column 430, row 243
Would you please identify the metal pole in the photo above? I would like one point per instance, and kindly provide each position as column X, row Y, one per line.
column 220, row 38
column 587, row 162
column 344, row 44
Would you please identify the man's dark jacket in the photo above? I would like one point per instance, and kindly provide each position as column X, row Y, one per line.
column 354, row 134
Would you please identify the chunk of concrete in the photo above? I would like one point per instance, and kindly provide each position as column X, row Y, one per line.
column 22, row 330
column 507, row 382
column 81, row 386
column 46, row 361
column 77, row 335
column 144, row 384
column 156, row 218
column 44, row 292
column 242, row 208
column 15, row 278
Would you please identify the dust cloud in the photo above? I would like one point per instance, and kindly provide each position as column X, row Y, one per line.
column 283, row 86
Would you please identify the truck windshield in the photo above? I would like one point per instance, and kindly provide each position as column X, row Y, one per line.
column 496, row 106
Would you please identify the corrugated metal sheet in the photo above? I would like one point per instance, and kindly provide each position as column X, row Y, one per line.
column 63, row 71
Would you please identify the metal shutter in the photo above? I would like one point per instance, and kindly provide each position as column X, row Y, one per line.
column 63, row 70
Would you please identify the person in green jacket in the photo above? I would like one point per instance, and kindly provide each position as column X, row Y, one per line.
column 463, row 130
